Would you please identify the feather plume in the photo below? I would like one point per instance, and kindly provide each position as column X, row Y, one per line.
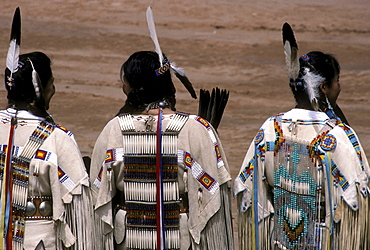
column 15, row 42
column 180, row 74
column 153, row 33
column 291, row 52
column 35, row 80
column 313, row 82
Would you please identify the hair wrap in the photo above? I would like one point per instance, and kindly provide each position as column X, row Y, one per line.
column 163, row 69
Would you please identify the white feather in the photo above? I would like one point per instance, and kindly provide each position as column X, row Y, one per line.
column 287, row 53
column 35, row 80
column 295, row 62
column 313, row 82
column 291, row 60
column 153, row 33
column 13, row 56
column 178, row 70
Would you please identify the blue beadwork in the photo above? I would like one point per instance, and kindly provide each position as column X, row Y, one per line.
column 328, row 142
column 259, row 136
column 290, row 196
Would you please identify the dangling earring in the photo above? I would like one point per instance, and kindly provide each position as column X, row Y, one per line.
column 329, row 110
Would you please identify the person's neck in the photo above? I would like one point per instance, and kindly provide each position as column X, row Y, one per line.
column 166, row 111
column 301, row 106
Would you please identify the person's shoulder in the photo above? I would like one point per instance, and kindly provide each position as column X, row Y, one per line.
column 199, row 122
column 112, row 121
column 63, row 130
column 111, row 127
column 346, row 129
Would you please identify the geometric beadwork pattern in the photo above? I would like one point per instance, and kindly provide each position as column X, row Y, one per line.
column 65, row 130
column 247, row 171
column 98, row 179
column 46, row 156
column 279, row 136
column 65, row 180
column 314, row 151
column 220, row 162
column 295, row 194
column 328, row 142
column 339, row 178
column 198, row 173
column 355, row 143
column 114, row 154
column 41, row 154
column 259, row 136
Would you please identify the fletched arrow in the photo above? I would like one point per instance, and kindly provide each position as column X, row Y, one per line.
column 15, row 42
column 212, row 105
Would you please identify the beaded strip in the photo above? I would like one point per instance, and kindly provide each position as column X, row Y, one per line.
column 198, row 172
column 207, row 125
column 20, row 166
column 163, row 69
column 355, row 143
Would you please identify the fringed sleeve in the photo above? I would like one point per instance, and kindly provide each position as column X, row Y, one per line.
column 209, row 202
column 265, row 228
column 219, row 227
column 78, row 223
column 103, row 190
column 243, row 190
column 353, row 229
column 72, row 200
column 104, row 237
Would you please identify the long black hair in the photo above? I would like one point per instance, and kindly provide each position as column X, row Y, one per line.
column 22, row 95
column 323, row 65
column 327, row 67
column 139, row 72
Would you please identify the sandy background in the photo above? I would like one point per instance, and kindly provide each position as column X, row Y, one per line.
column 234, row 45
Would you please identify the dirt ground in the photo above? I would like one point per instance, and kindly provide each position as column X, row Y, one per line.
column 234, row 45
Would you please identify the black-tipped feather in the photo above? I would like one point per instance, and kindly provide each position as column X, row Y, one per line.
column 291, row 52
column 185, row 81
column 288, row 35
column 15, row 42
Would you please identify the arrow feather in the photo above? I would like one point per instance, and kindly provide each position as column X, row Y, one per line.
column 153, row 33
column 15, row 41
column 180, row 74
column 291, row 52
